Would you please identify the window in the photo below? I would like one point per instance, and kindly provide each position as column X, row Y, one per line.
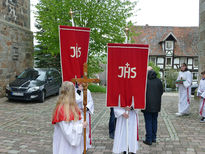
column 163, row 46
column 176, row 63
column 49, row 74
column 169, row 52
column 33, row 75
column 153, row 59
column 161, row 74
column 42, row 76
column 12, row 2
column 195, row 62
column 169, row 45
column 176, row 60
column 55, row 74
column 189, row 67
column 168, row 61
column 160, row 60
column 183, row 60
column 15, row 53
column 190, row 61
column 195, row 76
column 160, row 66
column 176, row 66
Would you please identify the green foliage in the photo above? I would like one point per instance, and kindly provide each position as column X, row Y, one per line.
column 131, row 33
column 46, row 60
column 106, row 18
column 155, row 68
column 96, row 88
column 171, row 77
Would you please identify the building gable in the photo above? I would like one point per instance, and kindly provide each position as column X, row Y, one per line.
column 186, row 39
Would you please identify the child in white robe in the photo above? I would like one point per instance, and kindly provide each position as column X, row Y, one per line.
column 201, row 94
column 90, row 110
column 68, row 124
column 120, row 138
column 184, row 82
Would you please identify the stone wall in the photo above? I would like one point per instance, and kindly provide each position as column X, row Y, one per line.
column 201, row 45
column 16, row 11
column 16, row 40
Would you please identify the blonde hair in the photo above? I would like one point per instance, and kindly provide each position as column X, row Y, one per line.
column 67, row 100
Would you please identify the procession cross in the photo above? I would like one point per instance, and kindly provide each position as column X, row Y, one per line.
column 85, row 80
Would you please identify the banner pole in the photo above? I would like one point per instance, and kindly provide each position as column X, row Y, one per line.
column 127, row 112
column 71, row 15
column 85, row 87
column 127, row 131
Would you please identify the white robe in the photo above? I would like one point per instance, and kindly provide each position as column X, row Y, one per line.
column 184, row 92
column 201, row 93
column 68, row 137
column 90, row 106
column 120, row 139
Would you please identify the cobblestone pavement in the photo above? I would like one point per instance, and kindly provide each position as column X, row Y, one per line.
column 25, row 127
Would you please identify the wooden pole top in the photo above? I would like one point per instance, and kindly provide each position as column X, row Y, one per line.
column 85, row 78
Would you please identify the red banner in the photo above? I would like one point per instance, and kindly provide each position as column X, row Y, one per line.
column 74, row 43
column 127, row 74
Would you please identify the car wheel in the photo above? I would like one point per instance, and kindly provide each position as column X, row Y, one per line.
column 42, row 98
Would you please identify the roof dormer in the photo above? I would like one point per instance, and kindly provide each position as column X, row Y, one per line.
column 167, row 43
column 169, row 37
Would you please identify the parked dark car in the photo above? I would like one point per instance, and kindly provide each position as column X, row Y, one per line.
column 193, row 88
column 34, row 84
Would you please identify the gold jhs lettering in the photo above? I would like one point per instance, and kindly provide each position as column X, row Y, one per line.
column 127, row 72
column 76, row 51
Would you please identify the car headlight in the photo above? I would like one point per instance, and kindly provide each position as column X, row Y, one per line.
column 32, row 89
column 8, row 87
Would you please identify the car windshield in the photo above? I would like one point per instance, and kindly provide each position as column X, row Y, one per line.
column 33, row 75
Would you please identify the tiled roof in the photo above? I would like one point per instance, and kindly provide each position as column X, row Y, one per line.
column 185, row 45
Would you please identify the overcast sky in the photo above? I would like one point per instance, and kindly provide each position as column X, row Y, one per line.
column 158, row 13
column 168, row 12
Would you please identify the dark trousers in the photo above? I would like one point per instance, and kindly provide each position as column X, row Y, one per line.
column 112, row 123
column 151, row 126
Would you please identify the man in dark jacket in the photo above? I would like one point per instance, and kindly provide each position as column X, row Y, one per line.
column 153, row 106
